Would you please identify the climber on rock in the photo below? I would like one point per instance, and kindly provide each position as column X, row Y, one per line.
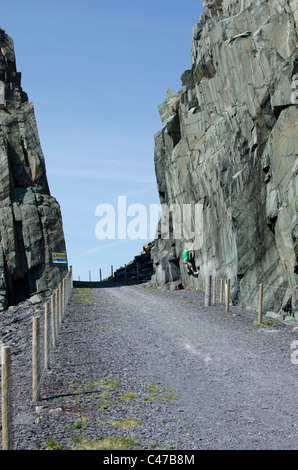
column 187, row 261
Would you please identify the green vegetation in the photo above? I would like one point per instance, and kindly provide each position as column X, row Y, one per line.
column 109, row 443
column 103, row 394
column 126, row 423
column 128, row 396
column 153, row 389
column 53, row 445
column 80, row 424
column 83, row 296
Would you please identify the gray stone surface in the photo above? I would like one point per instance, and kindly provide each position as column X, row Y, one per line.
column 30, row 218
column 229, row 141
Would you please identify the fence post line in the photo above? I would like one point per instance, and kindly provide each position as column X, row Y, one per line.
column 89, row 276
column 228, row 296
column 221, row 291
column 60, row 304
column 46, row 336
column 68, row 286
column 56, row 313
column 53, row 320
column 6, row 398
column 112, row 271
column 214, row 289
column 63, row 297
column 208, row 291
column 100, row 276
column 66, row 290
column 260, row 303
column 35, row 358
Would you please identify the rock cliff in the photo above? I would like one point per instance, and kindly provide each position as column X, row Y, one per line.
column 228, row 143
column 30, row 218
column 139, row 269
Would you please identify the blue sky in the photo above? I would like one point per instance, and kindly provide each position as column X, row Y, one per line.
column 96, row 72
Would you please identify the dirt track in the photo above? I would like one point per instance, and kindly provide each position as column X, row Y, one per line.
column 188, row 377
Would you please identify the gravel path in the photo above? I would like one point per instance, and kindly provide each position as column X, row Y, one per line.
column 155, row 369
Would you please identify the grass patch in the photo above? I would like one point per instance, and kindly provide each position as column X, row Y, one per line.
column 156, row 391
column 128, row 396
column 109, row 443
column 110, row 384
column 153, row 389
column 172, row 396
column 53, row 445
column 127, row 423
column 83, row 296
column 80, row 424
column 264, row 323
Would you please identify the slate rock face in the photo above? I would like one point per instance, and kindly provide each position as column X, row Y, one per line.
column 139, row 269
column 30, row 218
column 229, row 143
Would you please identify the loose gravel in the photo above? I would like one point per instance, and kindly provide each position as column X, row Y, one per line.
column 144, row 368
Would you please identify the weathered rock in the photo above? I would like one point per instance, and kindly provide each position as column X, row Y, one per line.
column 30, row 218
column 228, row 142
column 139, row 269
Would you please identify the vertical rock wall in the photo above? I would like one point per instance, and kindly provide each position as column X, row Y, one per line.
column 229, row 142
column 30, row 218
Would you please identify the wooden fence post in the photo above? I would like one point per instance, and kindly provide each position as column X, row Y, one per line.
column 53, row 320
column 100, row 275
column 46, row 336
column 35, row 358
column 6, row 398
column 62, row 298
column 57, row 303
column 66, row 290
column 60, row 304
column 208, row 291
column 221, row 291
column 260, row 303
column 214, row 289
column 89, row 276
column 228, row 296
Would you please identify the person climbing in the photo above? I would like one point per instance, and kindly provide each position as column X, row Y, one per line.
column 187, row 262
